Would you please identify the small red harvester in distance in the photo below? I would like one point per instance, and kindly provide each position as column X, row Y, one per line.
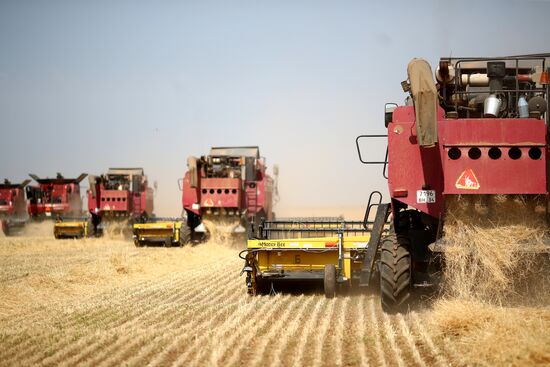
column 120, row 194
column 229, row 187
column 13, row 206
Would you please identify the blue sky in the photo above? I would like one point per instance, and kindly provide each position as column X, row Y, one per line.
column 88, row 85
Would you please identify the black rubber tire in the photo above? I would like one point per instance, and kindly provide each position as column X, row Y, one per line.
column 5, row 228
column 137, row 243
column 395, row 274
column 185, row 235
column 168, row 243
column 330, row 280
column 261, row 287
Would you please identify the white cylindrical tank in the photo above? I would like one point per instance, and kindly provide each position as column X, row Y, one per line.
column 523, row 107
column 491, row 107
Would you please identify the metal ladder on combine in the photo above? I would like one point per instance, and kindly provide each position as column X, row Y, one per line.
column 136, row 204
column 377, row 231
column 251, row 197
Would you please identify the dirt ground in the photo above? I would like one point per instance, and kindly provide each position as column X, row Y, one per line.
column 105, row 302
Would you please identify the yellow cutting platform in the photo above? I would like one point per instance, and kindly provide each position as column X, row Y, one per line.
column 72, row 228
column 167, row 232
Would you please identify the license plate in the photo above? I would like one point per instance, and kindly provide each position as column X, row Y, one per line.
column 48, row 214
column 425, row 196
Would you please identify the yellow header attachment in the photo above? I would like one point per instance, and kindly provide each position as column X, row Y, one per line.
column 351, row 242
column 167, row 232
column 77, row 228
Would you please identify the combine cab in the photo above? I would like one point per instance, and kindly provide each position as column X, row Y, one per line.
column 480, row 133
column 54, row 197
column 120, row 194
column 13, row 206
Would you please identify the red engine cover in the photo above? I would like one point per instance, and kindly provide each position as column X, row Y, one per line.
column 473, row 156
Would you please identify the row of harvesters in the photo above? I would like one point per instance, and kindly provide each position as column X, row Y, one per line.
column 479, row 130
column 229, row 188
column 51, row 197
column 121, row 193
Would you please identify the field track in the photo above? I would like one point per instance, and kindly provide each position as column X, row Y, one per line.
column 107, row 303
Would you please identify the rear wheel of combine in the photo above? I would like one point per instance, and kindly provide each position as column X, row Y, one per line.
column 330, row 280
column 168, row 242
column 395, row 274
column 137, row 243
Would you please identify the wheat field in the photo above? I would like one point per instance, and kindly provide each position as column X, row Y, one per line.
column 103, row 302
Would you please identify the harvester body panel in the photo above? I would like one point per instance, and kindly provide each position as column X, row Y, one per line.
column 221, row 193
column 473, row 156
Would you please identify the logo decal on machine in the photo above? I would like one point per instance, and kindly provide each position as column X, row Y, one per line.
column 467, row 181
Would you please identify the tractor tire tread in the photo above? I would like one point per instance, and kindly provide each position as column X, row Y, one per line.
column 395, row 274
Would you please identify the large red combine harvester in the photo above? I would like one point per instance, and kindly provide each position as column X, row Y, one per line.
column 230, row 183
column 478, row 133
column 13, row 206
column 120, row 194
column 54, row 197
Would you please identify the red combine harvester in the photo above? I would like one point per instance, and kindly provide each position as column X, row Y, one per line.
column 230, row 184
column 13, row 206
column 54, row 197
column 120, row 194
column 481, row 131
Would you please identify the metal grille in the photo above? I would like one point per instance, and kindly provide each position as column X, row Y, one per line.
column 312, row 227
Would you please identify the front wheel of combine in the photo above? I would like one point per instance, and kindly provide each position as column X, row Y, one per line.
column 185, row 235
column 5, row 228
column 330, row 280
column 395, row 274
column 259, row 287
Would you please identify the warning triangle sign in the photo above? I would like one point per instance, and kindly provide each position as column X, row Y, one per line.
column 467, row 181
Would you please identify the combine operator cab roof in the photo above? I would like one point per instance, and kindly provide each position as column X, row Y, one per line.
column 7, row 184
column 235, row 152
column 59, row 180
column 125, row 171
